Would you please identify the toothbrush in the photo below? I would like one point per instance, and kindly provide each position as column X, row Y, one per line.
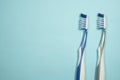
column 100, row 70
column 80, row 74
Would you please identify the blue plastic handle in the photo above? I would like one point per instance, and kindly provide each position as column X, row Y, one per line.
column 83, row 44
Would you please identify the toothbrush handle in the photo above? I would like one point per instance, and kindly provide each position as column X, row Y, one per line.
column 81, row 66
column 100, row 66
column 100, row 70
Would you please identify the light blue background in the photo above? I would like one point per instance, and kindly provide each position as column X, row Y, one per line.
column 39, row 39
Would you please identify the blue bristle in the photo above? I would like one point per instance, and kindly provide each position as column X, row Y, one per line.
column 100, row 15
column 83, row 15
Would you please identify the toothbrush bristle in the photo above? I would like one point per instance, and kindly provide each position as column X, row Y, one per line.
column 83, row 15
column 100, row 15
column 101, row 21
column 83, row 21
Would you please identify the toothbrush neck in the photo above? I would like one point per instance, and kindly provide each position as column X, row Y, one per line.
column 102, row 41
column 84, row 39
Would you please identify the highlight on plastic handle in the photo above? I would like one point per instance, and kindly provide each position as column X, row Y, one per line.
column 80, row 75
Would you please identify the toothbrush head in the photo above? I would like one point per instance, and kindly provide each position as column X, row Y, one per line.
column 83, row 22
column 101, row 21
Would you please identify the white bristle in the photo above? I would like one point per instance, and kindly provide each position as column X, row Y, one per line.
column 84, row 23
column 101, row 22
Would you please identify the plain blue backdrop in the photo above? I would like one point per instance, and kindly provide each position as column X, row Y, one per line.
column 39, row 39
